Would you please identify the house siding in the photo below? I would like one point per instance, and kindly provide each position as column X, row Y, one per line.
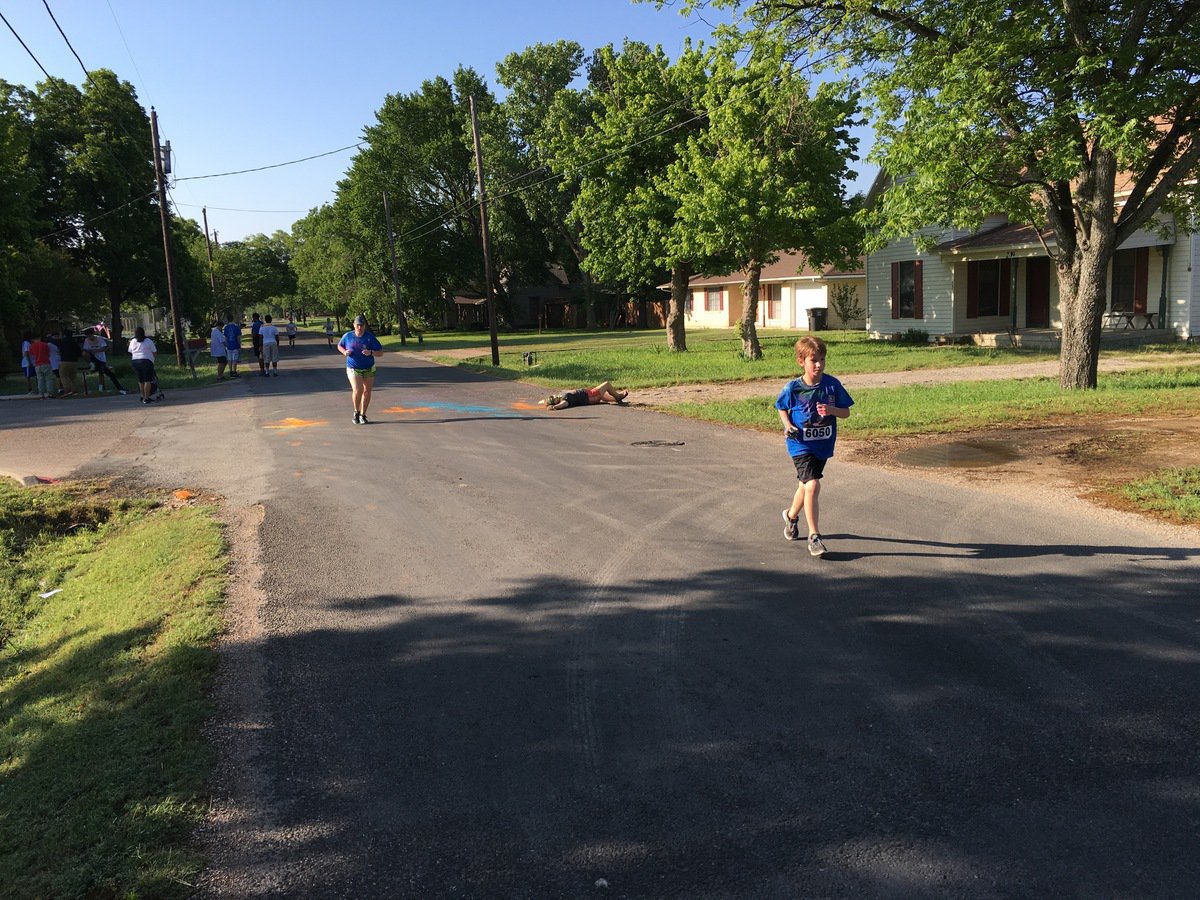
column 937, row 279
column 1188, row 320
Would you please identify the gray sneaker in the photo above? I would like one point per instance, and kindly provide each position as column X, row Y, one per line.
column 791, row 527
column 816, row 547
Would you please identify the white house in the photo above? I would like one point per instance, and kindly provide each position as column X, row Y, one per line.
column 788, row 290
column 999, row 279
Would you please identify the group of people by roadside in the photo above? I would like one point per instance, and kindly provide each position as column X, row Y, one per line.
column 53, row 363
column 225, row 344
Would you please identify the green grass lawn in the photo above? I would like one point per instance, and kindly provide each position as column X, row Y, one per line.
column 1172, row 493
column 104, row 690
column 640, row 359
column 969, row 405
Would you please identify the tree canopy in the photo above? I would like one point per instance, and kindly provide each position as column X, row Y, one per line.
column 1075, row 117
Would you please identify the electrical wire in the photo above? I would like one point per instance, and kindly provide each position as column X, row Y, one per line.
column 232, row 209
column 46, row 4
column 98, row 216
column 291, row 162
column 23, row 44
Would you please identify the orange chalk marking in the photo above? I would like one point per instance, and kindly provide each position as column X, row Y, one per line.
column 409, row 410
column 287, row 424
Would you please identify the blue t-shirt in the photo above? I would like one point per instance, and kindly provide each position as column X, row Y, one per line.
column 816, row 434
column 255, row 327
column 233, row 336
column 356, row 345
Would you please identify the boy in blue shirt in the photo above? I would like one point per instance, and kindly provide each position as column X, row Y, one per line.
column 809, row 407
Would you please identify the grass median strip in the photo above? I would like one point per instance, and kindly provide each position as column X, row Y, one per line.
column 970, row 405
column 640, row 359
column 110, row 610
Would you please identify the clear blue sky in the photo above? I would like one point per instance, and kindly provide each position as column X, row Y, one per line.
column 239, row 85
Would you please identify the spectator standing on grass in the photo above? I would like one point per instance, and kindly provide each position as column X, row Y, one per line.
column 291, row 332
column 360, row 347
column 142, row 353
column 269, row 335
column 95, row 346
column 55, row 362
column 39, row 355
column 69, row 355
column 256, row 339
column 233, row 346
column 27, row 368
column 216, row 348
column 809, row 407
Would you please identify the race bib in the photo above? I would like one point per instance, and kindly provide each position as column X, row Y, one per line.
column 816, row 432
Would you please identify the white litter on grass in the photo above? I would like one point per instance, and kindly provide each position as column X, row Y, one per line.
column 50, row 593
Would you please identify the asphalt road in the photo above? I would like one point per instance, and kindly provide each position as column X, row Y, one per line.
column 499, row 652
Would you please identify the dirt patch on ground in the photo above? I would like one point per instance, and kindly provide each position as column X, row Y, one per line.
column 1090, row 459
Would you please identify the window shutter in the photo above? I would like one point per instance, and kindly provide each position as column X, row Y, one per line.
column 1005, row 286
column 918, row 292
column 1141, row 273
column 895, row 290
column 972, row 290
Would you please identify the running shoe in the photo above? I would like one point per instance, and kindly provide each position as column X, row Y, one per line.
column 362, row 419
column 791, row 527
column 816, row 547
column 357, row 418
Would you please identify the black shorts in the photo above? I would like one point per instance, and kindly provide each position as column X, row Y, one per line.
column 145, row 370
column 808, row 467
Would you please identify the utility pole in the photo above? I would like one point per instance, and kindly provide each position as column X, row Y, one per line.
column 212, row 278
column 165, row 213
column 400, row 318
column 483, row 230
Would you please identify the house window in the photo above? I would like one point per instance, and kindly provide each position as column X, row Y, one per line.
column 712, row 300
column 907, row 290
column 1129, row 270
column 988, row 287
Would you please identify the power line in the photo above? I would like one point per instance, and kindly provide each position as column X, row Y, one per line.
column 232, row 209
column 26, row 46
column 274, row 165
column 97, row 217
column 121, row 32
column 65, row 38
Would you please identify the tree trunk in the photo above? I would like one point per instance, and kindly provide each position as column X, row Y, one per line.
column 751, row 349
column 1083, row 279
column 681, row 275
column 114, row 307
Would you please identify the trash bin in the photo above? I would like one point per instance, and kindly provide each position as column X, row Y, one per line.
column 817, row 318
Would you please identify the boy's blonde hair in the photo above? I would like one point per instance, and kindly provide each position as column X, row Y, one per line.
column 809, row 346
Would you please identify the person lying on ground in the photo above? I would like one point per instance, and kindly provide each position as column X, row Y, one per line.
column 601, row 393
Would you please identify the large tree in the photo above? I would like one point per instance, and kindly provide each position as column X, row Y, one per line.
column 92, row 153
column 646, row 108
column 767, row 173
column 541, row 101
column 1079, row 117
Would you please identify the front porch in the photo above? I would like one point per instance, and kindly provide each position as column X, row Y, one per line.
column 1051, row 338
